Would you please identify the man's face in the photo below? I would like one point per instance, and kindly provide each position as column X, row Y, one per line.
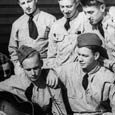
column 32, row 67
column 86, row 58
column 5, row 70
column 68, row 8
column 94, row 14
column 28, row 6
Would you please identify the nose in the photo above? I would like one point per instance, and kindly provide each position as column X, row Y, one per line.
column 32, row 72
column 65, row 10
column 80, row 59
column 89, row 16
column 26, row 5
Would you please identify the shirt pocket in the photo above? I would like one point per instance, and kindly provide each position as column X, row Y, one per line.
column 58, row 37
column 44, row 32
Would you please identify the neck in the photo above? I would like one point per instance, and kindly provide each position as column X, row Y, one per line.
column 33, row 13
column 74, row 15
column 91, row 67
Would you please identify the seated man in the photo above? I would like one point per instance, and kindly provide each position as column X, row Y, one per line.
column 90, row 86
column 6, row 67
column 48, row 99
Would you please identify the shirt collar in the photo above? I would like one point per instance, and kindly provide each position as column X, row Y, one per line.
column 94, row 70
column 36, row 13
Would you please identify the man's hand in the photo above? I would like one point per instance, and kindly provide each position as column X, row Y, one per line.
column 52, row 79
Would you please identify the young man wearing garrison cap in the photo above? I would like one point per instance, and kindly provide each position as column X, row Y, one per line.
column 48, row 99
column 90, row 86
column 101, row 18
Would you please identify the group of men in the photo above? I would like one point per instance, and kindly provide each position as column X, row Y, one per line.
column 63, row 66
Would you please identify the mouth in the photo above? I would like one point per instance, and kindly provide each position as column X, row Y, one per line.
column 67, row 14
column 28, row 9
column 82, row 64
column 33, row 78
column 92, row 21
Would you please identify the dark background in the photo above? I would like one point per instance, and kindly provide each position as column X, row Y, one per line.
column 10, row 11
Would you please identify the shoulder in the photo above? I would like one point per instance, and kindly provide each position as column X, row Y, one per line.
column 71, row 68
column 112, row 11
column 19, row 20
column 106, row 75
column 58, row 23
column 82, row 14
column 47, row 15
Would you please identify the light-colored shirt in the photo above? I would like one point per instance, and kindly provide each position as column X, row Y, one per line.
column 62, row 46
column 109, row 32
column 108, row 25
column 20, row 33
column 41, row 94
column 101, row 88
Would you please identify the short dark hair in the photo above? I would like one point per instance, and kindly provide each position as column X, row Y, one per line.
column 85, row 3
column 101, row 50
column 94, row 49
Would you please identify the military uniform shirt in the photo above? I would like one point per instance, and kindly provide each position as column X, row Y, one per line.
column 100, row 88
column 20, row 33
column 62, row 43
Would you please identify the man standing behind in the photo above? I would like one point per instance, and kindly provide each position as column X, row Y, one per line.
column 31, row 29
column 103, row 19
column 90, row 86
column 62, row 37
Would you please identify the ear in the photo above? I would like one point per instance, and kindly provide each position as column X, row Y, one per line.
column 41, row 61
column 102, row 7
column 97, row 55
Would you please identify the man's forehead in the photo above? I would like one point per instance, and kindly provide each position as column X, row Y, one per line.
column 66, row 1
column 24, row 0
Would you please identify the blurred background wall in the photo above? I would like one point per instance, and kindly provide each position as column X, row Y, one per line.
column 10, row 11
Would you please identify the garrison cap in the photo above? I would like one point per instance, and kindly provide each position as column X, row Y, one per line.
column 23, row 52
column 89, row 39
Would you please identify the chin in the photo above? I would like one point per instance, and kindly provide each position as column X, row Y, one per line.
column 29, row 13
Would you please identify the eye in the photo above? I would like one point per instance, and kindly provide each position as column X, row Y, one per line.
column 38, row 67
column 69, row 6
column 29, row 1
column 85, row 55
column 90, row 12
column 22, row 3
column 28, row 69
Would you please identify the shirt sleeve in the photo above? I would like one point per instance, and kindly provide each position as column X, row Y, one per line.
column 112, row 97
column 52, row 47
column 13, row 85
column 13, row 43
column 58, row 106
